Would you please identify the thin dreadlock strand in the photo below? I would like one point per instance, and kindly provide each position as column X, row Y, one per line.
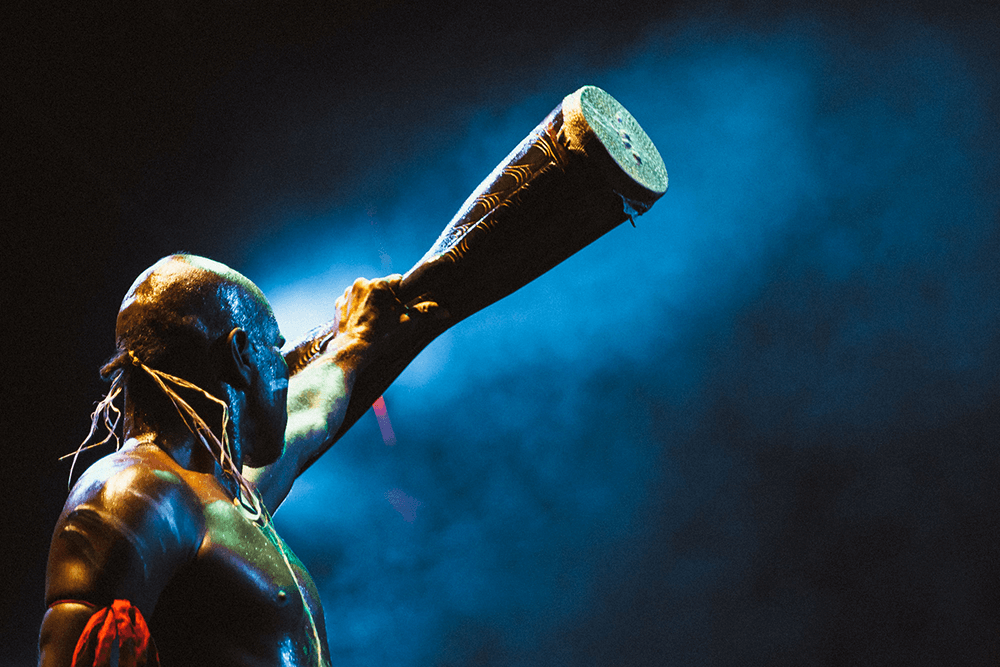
column 102, row 409
column 112, row 427
column 201, row 428
column 189, row 416
column 184, row 409
column 197, row 425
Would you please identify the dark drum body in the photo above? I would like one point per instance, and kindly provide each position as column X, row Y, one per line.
column 584, row 170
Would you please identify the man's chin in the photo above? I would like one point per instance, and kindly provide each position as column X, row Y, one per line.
column 261, row 459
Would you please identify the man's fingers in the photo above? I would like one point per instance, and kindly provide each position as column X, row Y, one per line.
column 430, row 310
column 393, row 280
column 341, row 306
column 373, row 308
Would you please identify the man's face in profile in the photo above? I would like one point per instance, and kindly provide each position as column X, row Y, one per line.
column 267, row 396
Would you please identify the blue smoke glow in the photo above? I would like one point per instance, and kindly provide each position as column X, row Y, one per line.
column 665, row 444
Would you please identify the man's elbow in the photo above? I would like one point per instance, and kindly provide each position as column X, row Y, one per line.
column 62, row 626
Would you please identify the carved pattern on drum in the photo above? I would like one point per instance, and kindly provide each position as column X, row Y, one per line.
column 486, row 202
column 306, row 355
column 550, row 147
column 520, row 172
column 542, row 153
column 557, row 191
column 311, row 346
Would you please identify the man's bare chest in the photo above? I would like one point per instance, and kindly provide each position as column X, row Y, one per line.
column 244, row 594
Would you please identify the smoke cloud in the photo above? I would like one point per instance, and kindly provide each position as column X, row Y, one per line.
column 756, row 428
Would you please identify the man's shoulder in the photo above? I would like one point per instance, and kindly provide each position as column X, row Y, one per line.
column 131, row 474
column 137, row 490
column 129, row 522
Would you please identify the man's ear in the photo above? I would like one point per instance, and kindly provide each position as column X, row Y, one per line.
column 237, row 367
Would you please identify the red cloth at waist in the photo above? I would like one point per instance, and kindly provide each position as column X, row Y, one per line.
column 116, row 636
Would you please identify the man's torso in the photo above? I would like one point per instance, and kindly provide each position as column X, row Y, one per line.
column 230, row 591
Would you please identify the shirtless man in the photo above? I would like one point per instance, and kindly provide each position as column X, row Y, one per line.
column 164, row 536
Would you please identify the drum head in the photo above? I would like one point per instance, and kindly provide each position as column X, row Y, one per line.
column 625, row 141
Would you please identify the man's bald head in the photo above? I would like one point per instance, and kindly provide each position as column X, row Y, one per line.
column 179, row 308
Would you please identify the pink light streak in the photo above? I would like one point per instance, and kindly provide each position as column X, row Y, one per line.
column 384, row 424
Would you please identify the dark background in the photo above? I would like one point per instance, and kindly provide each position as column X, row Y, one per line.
column 760, row 428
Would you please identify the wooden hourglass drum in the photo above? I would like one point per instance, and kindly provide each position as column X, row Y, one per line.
column 583, row 171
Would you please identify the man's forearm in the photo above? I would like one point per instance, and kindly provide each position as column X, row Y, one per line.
column 318, row 395
column 357, row 354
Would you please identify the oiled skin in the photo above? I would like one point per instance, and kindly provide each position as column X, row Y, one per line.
column 156, row 523
column 214, row 588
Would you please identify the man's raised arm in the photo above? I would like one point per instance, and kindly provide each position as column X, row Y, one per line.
column 369, row 322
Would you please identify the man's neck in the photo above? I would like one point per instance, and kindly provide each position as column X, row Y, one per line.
column 186, row 448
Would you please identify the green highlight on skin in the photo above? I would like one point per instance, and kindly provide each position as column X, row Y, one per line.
column 266, row 525
column 167, row 476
